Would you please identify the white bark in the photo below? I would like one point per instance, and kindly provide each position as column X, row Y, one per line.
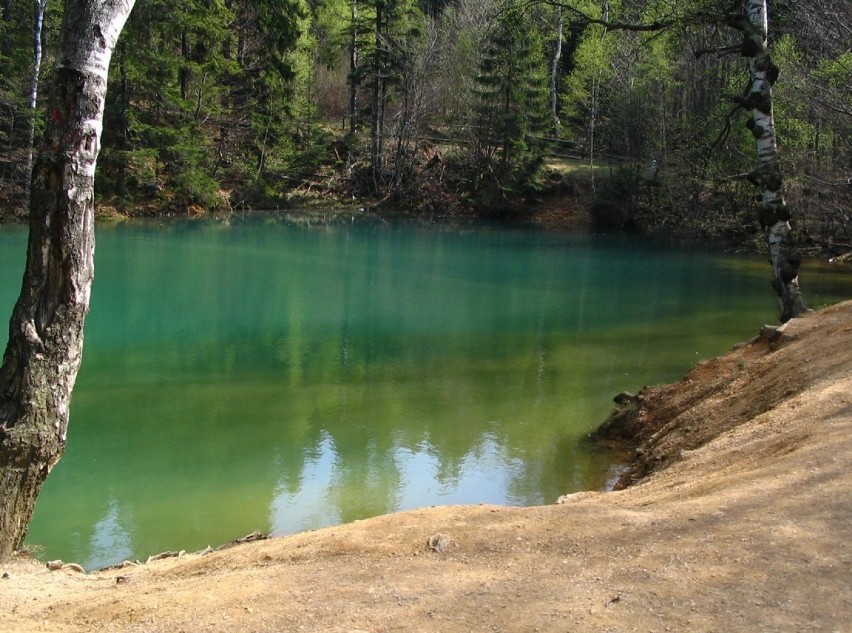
column 596, row 87
column 767, row 176
column 554, row 71
column 45, row 344
column 38, row 22
column 353, row 68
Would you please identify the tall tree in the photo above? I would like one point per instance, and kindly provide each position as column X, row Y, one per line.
column 384, row 33
column 352, row 79
column 17, row 52
column 46, row 329
column 814, row 116
column 171, row 87
column 38, row 24
column 554, row 72
column 512, row 101
column 586, row 99
column 463, row 30
column 752, row 20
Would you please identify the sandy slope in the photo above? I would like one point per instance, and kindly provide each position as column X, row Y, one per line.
column 741, row 521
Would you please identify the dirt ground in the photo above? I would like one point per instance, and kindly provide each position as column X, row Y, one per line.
column 740, row 520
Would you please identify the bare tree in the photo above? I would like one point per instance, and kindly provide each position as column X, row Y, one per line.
column 46, row 329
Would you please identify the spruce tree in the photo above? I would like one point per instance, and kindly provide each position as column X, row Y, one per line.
column 512, row 103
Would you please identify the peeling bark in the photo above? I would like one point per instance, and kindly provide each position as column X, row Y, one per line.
column 753, row 22
column 46, row 329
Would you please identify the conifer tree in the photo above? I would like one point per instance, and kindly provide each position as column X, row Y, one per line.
column 204, row 97
column 394, row 24
column 512, row 101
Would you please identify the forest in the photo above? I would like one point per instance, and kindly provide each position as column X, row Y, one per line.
column 623, row 108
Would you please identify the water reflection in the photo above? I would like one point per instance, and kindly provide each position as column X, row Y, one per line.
column 273, row 378
column 110, row 540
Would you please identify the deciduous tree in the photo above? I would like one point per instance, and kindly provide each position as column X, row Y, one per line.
column 752, row 20
column 46, row 329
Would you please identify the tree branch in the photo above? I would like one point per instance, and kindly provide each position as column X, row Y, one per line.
column 744, row 176
column 657, row 25
column 842, row 183
column 719, row 50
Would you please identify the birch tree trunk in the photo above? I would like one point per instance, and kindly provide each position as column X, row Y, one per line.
column 46, row 329
column 554, row 72
column 753, row 22
column 38, row 23
column 353, row 68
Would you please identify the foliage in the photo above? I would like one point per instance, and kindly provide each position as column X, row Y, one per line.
column 211, row 89
column 213, row 101
column 16, row 63
column 511, row 105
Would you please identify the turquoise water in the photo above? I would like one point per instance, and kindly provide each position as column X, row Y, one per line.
column 261, row 375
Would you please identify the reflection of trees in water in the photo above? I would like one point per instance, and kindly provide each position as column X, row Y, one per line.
column 359, row 359
column 210, row 458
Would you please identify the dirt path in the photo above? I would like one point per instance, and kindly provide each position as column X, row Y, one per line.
column 742, row 521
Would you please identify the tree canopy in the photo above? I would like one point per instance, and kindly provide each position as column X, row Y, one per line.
column 216, row 104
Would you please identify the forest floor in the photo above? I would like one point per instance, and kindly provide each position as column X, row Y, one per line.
column 741, row 520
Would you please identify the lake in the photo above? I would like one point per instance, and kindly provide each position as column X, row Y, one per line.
column 267, row 375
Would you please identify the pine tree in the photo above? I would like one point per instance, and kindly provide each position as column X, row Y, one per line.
column 512, row 102
column 386, row 59
column 205, row 99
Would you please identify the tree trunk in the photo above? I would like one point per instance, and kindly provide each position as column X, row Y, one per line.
column 593, row 117
column 38, row 22
column 183, row 73
column 124, row 132
column 754, row 25
column 353, row 68
column 46, row 330
column 377, row 112
column 554, row 73
column 596, row 88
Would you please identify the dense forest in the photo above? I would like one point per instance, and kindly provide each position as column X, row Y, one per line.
column 627, row 108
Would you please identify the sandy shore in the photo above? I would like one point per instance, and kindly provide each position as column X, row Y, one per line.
column 739, row 519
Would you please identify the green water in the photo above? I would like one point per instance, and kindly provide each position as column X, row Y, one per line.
column 272, row 377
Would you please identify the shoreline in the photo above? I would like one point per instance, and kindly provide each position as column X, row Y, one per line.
column 739, row 520
column 573, row 219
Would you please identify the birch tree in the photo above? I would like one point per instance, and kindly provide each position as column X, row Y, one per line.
column 587, row 87
column 751, row 18
column 352, row 79
column 46, row 329
column 38, row 23
column 554, row 72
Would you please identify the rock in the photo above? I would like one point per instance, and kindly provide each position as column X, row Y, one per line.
column 624, row 398
column 438, row 543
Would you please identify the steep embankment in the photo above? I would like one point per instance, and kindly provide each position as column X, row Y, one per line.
column 742, row 520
